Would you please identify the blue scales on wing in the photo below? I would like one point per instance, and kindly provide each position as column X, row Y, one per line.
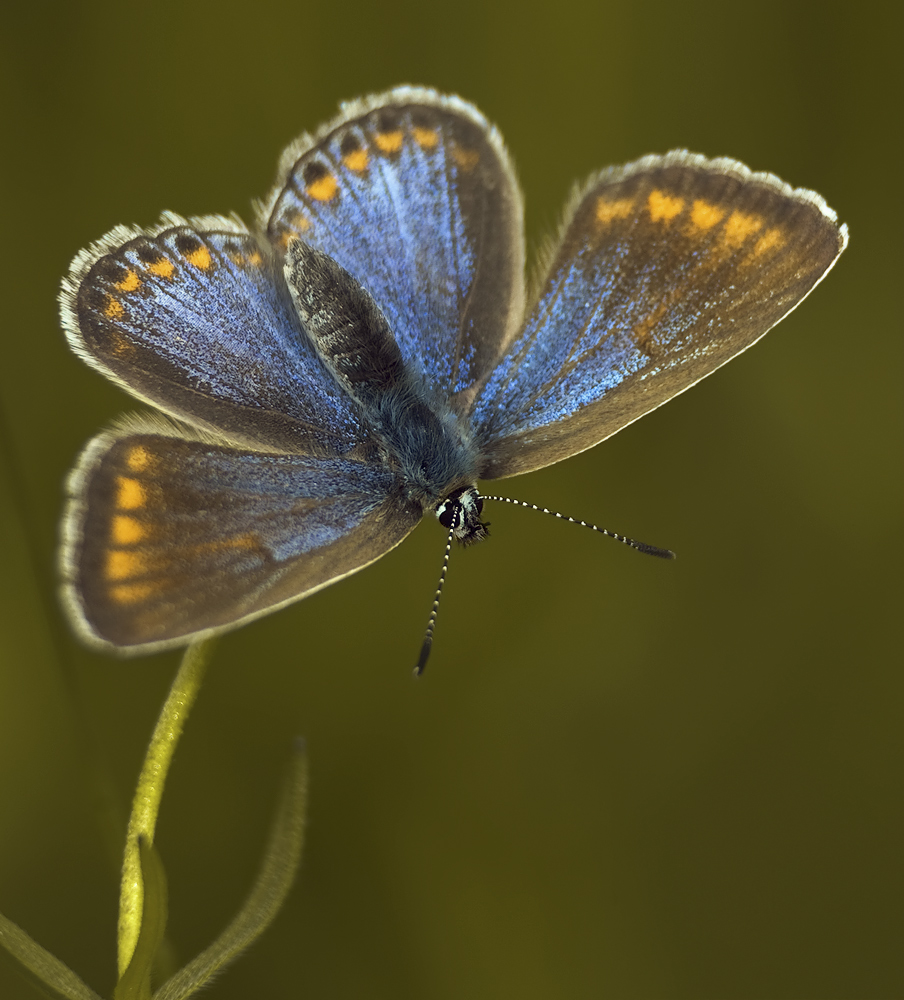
column 414, row 195
column 665, row 270
column 196, row 319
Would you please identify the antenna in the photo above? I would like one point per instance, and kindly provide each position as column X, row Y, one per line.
column 431, row 623
column 648, row 550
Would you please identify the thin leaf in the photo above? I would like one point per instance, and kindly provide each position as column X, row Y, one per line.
column 277, row 873
column 46, row 970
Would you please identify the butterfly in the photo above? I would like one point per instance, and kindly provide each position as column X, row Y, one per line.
column 368, row 351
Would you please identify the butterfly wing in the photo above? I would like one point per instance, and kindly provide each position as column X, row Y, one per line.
column 666, row 269
column 197, row 320
column 414, row 195
column 168, row 539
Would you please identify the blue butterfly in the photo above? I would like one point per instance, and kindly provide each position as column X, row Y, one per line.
column 368, row 351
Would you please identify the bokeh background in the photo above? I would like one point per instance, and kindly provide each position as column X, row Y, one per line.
column 619, row 777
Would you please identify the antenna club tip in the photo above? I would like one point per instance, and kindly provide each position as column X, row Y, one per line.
column 654, row 550
column 422, row 659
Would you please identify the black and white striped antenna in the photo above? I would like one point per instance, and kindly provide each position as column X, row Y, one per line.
column 646, row 549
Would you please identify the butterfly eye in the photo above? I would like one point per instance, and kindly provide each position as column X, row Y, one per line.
column 460, row 513
column 448, row 513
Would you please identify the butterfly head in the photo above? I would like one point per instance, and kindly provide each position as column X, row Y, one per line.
column 460, row 513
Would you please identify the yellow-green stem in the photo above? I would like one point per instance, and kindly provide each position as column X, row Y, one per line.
column 146, row 803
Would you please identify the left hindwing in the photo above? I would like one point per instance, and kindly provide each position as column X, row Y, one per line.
column 168, row 539
column 666, row 269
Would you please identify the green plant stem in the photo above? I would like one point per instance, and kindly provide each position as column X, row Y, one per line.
column 146, row 802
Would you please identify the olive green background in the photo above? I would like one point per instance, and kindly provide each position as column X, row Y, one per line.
column 619, row 777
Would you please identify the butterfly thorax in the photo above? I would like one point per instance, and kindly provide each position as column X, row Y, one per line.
column 431, row 451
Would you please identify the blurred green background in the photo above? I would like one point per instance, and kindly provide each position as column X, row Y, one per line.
column 619, row 777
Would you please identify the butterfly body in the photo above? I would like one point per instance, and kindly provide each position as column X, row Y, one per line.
column 368, row 352
column 429, row 447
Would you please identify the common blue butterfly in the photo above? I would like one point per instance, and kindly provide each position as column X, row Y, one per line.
column 368, row 351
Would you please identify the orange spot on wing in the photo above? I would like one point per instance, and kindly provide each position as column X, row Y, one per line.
column 357, row 160
column 131, row 593
column 252, row 259
column 127, row 530
column 123, row 564
column 161, row 268
column 739, row 227
column 247, row 541
column 770, row 239
column 130, row 494
column 204, row 550
column 705, row 215
column 324, row 188
column 467, row 159
column 643, row 331
column 113, row 308
column 129, row 283
column 138, row 458
column 119, row 345
column 296, row 221
column 426, row 138
column 607, row 210
column 663, row 207
column 389, row 142
column 239, row 542
column 200, row 258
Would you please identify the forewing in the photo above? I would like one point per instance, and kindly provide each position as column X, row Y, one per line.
column 414, row 195
column 666, row 269
column 168, row 539
column 196, row 319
